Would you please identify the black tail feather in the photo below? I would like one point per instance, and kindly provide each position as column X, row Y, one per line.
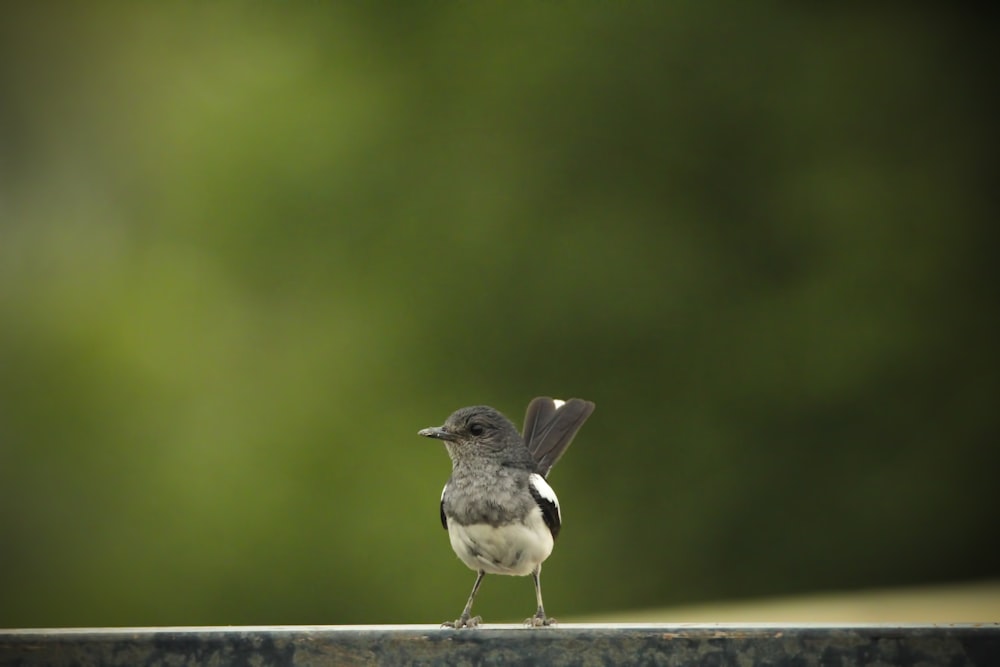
column 548, row 430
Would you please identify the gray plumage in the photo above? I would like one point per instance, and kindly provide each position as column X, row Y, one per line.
column 501, row 515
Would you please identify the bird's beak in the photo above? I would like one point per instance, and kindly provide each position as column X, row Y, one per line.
column 437, row 432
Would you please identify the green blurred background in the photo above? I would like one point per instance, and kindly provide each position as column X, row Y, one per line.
column 248, row 250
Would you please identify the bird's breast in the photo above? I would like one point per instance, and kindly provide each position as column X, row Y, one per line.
column 515, row 548
column 495, row 497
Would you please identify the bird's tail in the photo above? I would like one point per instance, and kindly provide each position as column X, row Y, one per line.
column 549, row 427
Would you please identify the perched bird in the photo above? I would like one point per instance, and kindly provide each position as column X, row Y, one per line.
column 502, row 517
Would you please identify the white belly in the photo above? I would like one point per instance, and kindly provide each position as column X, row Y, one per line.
column 511, row 549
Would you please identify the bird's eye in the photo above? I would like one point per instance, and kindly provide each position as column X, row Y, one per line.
column 476, row 429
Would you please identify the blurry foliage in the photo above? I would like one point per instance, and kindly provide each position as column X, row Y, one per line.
column 246, row 251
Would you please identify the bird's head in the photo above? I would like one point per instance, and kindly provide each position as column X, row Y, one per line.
column 478, row 432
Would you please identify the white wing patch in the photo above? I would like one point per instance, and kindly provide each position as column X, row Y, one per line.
column 558, row 402
column 538, row 483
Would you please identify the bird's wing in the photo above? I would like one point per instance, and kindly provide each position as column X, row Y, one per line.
column 547, row 502
column 444, row 519
column 549, row 427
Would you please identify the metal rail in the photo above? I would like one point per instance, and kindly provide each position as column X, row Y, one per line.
column 571, row 644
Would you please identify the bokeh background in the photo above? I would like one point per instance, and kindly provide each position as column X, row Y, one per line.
column 247, row 250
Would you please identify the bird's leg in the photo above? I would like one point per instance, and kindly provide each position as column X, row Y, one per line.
column 467, row 620
column 539, row 619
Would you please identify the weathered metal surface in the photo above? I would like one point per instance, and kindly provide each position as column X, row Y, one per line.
column 744, row 645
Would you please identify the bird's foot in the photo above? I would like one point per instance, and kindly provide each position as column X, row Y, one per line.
column 540, row 620
column 463, row 621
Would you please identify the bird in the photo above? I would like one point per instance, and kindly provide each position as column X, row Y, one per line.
column 501, row 514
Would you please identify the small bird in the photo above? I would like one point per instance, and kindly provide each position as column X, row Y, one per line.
column 502, row 517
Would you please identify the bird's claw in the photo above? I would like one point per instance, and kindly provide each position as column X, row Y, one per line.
column 537, row 621
column 464, row 621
